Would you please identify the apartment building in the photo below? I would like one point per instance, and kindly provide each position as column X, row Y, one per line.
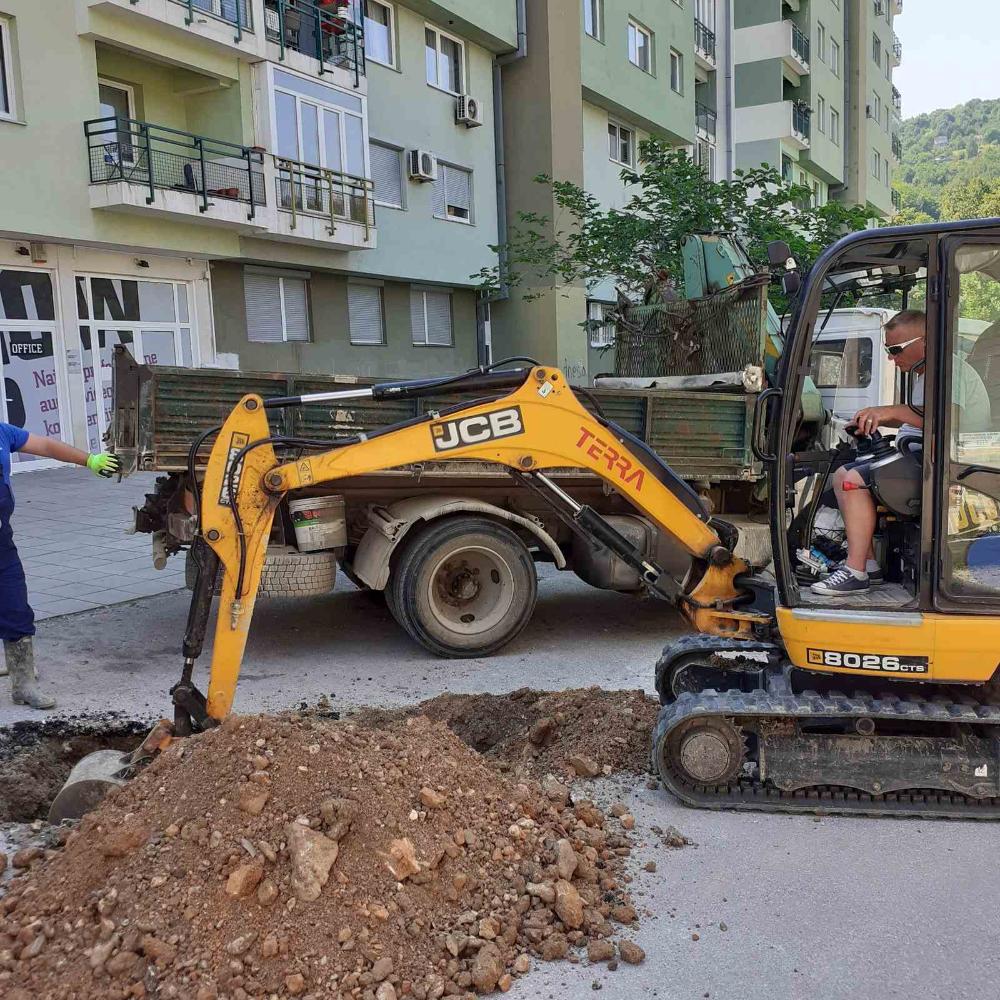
column 278, row 184
column 814, row 95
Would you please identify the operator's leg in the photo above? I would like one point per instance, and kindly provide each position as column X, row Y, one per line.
column 858, row 511
column 17, row 620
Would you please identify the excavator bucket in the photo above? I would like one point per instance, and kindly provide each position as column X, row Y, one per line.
column 102, row 771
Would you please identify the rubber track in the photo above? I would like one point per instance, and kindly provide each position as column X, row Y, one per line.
column 707, row 646
column 751, row 794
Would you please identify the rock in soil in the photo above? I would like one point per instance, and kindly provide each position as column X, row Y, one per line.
column 384, row 861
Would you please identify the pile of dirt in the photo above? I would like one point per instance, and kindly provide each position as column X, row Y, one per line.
column 583, row 731
column 291, row 856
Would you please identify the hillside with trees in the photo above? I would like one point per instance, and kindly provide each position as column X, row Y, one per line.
column 951, row 163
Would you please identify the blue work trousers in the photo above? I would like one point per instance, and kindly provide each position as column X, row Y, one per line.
column 16, row 617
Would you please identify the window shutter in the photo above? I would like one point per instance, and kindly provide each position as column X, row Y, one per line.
column 439, row 319
column 417, row 324
column 458, row 188
column 387, row 173
column 263, row 301
column 364, row 305
column 296, row 310
column 438, row 195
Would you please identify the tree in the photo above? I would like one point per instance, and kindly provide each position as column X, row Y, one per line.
column 975, row 199
column 672, row 198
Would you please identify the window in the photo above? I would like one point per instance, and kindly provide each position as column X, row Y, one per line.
column 820, row 42
column 821, row 114
column 452, row 198
column 7, row 103
column 601, row 312
column 366, row 315
column 876, row 109
column 445, row 60
column 430, row 318
column 885, row 170
column 835, row 57
column 593, row 18
column 842, row 364
column 640, row 47
column 387, row 174
column 676, row 72
column 380, row 39
column 877, row 50
column 704, row 156
column 834, row 126
column 621, row 142
column 277, row 307
column 816, row 195
column 876, row 164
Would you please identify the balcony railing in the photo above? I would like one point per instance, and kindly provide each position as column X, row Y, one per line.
column 234, row 12
column 800, row 44
column 152, row 156
column 304, row 189
column 801, row 114
column 897, row 49
column 705, row 118
column 897, row 200
column 333, row 39
column 897, row 101
column 897, row 147
column 704, row 39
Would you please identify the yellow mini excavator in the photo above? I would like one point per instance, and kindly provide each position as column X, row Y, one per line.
column 786, row 700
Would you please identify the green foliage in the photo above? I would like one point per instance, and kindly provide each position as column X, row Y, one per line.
column 951, row 158
column 672, row 198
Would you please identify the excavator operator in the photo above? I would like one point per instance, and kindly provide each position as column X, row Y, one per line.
column 905, row 336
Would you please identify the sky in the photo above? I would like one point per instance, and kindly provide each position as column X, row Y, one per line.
column 949, row 53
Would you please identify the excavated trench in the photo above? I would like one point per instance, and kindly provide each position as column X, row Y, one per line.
column 36, row 758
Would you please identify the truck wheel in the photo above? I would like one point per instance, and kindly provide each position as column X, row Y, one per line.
column 286, row 573
column 463, row 587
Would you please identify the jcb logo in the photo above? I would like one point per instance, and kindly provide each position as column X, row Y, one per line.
column 602, row 451
column 451, row 434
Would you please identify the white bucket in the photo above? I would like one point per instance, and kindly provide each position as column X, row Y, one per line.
column 319, row 522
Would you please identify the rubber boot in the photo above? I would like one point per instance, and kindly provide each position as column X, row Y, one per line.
column 20, row 656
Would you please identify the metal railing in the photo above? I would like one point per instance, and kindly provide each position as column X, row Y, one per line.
column 800, row 44
column 878, row 8
column 705, row 118
column 801, row 115
column 897, row 49
column 153, row 156
column 704, row 39
column 897, row 147
column 897, row 101
column 897, row 200
column 305, row 189
column 332, row 38
column 234, row 12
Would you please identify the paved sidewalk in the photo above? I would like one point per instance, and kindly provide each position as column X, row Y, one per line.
column 69, row 527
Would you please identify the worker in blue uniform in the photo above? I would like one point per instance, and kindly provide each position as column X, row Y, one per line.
column 17, row 620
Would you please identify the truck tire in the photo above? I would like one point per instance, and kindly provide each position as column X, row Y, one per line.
column 286, row 573
column 463, row 586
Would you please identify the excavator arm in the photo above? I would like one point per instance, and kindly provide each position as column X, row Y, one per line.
column 537, row 426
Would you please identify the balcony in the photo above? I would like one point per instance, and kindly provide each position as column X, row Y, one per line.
column 141, row 168
column 897, row 148
column 801, row 123
column 897, row 50
column 794, row 48
column 225, row 25
column 897, row 200
column 324, row 207
column 705, row 120
column 897, row 102
column 704, row 45
column 301, row 30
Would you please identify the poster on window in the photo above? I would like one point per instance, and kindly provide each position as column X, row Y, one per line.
column 97, row 387
column 29, row 379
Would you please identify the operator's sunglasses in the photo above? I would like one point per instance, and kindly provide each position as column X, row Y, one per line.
column 896, row 349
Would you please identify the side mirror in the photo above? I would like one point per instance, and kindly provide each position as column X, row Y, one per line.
column 778, row 253
column 791, row 282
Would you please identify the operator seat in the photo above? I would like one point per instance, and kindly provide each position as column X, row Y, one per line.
column 985, row 359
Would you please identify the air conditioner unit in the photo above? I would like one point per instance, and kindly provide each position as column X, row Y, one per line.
column 423, row 165
column 468, row 111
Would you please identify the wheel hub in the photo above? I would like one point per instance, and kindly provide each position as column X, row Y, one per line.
column 707, row 751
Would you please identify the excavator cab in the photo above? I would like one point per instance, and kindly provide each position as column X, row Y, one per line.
column 886, row 702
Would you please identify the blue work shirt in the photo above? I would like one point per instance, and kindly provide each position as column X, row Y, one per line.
column 11, row 439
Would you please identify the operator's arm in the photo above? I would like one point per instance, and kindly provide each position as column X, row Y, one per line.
column 872, row 417
column 102, row 465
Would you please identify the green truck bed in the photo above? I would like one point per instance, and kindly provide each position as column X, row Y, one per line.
column 158, row 411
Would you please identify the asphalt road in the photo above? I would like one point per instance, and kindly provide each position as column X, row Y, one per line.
column 840, row 908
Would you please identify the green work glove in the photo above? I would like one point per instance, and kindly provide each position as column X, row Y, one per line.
column 104, row 465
